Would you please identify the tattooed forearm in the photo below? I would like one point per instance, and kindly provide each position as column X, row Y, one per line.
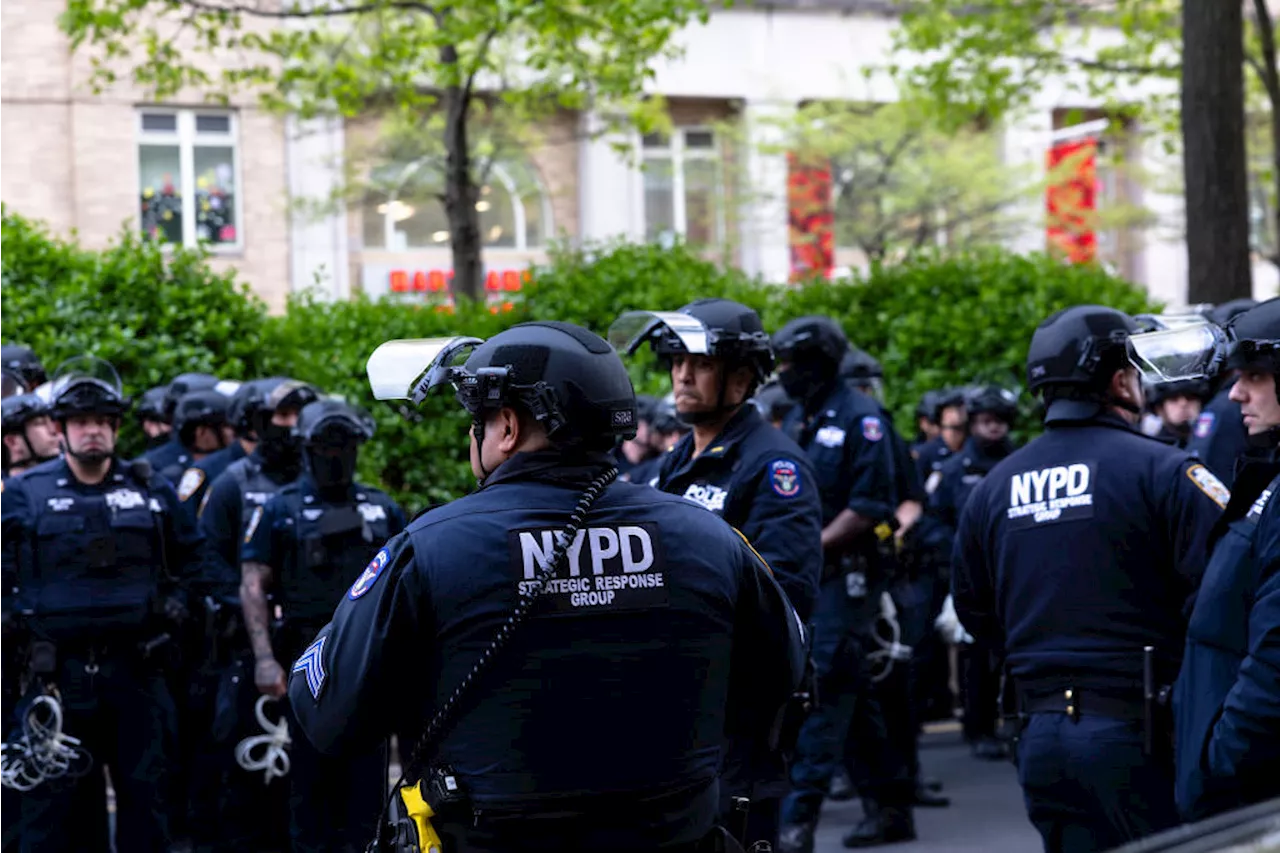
column 254, row 578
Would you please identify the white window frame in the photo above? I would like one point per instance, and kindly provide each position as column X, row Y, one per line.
column 496, row 172
column 678, row 154
column 186, row 138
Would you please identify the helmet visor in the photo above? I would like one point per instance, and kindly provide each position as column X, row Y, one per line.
column 409, row 369
column 634, row 328
column 1190, row 352
column 86, row 369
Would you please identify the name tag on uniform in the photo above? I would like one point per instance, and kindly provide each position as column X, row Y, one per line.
column 830, row 436
column 606, row 569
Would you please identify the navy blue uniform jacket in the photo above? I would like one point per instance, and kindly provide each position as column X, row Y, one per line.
column 1081, row 548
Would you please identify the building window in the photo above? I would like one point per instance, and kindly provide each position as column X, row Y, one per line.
column 188, row 177
column 683, row 188
column 402, row 209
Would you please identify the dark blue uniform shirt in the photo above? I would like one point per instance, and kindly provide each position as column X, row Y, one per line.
column 1227, row 699
column 929, row 456
column 196, row 480
column 86, row 562
column 224, row 516
column 760, row 481
column 950, row 486
column 317, row 548
column 662, row 635
column 1080, row 549
column 169, row 459
column 1219, row 437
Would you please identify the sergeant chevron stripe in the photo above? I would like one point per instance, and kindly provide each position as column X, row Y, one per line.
column 312, row 664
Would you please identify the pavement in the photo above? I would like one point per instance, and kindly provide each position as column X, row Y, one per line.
column 986, row 814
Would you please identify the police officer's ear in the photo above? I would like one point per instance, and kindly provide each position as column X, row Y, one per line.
column 514, row 430
column 1126, row 386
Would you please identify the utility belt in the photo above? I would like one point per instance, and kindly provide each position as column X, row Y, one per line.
column 1075, row 703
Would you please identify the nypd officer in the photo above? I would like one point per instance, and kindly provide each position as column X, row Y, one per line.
column 566, row 655
column 742, row 469
column 1048, row 568
column 195, row 481
column 1177, row 405
column 306, row 546
column 22, row 369
column 94, row 550
column 198, row 418
column 173, row 452
column 1227, row 697
column 952, row 421
column 1219, row 436
column 152, row 419
column 30, row 435
column 843, row 433
column 992, row 411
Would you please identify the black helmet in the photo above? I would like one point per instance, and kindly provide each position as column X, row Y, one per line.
column 1255, row 339
column 928, row 406
column 1079, row 347
column 724, row 329
column 22, row 365
column 198, row 408
column 860, row 366
column 773, row 402
column 664, row 418
column 1223, row 314
column 183, row 384
column 151, row 405
column 568, row 378
column 276, row 394
column 333, row 422
column 17, row 411
column 812, row 339
column 85, row 385
column 1157, row 392
column 245, row 402
column 992, row 400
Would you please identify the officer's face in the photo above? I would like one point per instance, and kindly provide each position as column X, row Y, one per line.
column 927, row 428
column 987, row 427
column 285, row 417
column 954, row 427
column 1255, row 391
column 44, row 436
column 207, row 439
column 695, row 379
column 90, row 436
column 156, row 428
column 1180, row 410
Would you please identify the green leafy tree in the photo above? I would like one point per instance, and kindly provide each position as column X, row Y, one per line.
column 991, row 58
column 408, row 58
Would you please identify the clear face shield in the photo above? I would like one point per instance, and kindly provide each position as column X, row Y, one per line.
column 635, row 328
column 411, row 369
column 85, row 369
column 1175, row 354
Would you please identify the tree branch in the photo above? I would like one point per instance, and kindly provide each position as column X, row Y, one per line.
column 323, row 12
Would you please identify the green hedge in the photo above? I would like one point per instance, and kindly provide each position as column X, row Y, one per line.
column 933, row 322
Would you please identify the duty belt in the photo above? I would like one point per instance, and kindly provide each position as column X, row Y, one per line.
column 1076, row 703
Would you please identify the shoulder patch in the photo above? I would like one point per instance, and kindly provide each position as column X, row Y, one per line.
column 252, row 527
column 931, row 484
column 190, row 481
column 1209, row 484
column 1204, row 425
column 872, row 429
column 784, row 476
column 369, row 576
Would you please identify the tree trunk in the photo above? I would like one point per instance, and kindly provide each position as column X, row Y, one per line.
column 1214, row 163
column 461, row 193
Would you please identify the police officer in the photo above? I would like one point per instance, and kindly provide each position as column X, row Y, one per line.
column 773, row 403
column 636, row 451
column 249, row 815
column 844, row 435
column 1227, row 694
column 742, row 469
column 656, row 631
column 926, row 418
column 665, row 431
column 992, row 411
column 1219, row 436
column 152, row 419
column 1177, row 405
column 1072, row 555
column 173, row 452
column 306, row 547
column 94, row 552
column 247, row 399
column 198, row 419
column 953, row 425
column 30, row 435
column 22, row 369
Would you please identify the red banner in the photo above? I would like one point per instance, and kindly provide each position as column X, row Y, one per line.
column 1071, row 199
column 809, row 213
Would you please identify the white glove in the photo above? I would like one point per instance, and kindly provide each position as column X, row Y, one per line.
column 948, row 624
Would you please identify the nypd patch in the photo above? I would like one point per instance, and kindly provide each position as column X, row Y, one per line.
column 872, row 429
column 784, row 477
column 369, row 576
column 190, row 481
column 311, row 665
column 252, row 527
column 1204, row 425
column 1209, row 484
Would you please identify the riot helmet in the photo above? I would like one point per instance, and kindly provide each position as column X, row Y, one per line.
column 992, row 400
column 773, row 402
column 196, row 409
column 813, row 348
column 86, row 385
column 664, row 419
column 277, row 444
column 861, row 370
column 151, row 405
column 183, row 384
column 330, row 433
column 718, row 328
column 22, row 369
column 16, row 413
column 1074, row 354
column 1223, row 314
column 1159, row 392
column 566, row 378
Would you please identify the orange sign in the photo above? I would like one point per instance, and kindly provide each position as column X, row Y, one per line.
column 438, row 281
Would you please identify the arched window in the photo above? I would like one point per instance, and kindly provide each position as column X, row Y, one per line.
column 402, row 209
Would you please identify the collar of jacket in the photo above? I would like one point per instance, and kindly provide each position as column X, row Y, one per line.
column 553, row 465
